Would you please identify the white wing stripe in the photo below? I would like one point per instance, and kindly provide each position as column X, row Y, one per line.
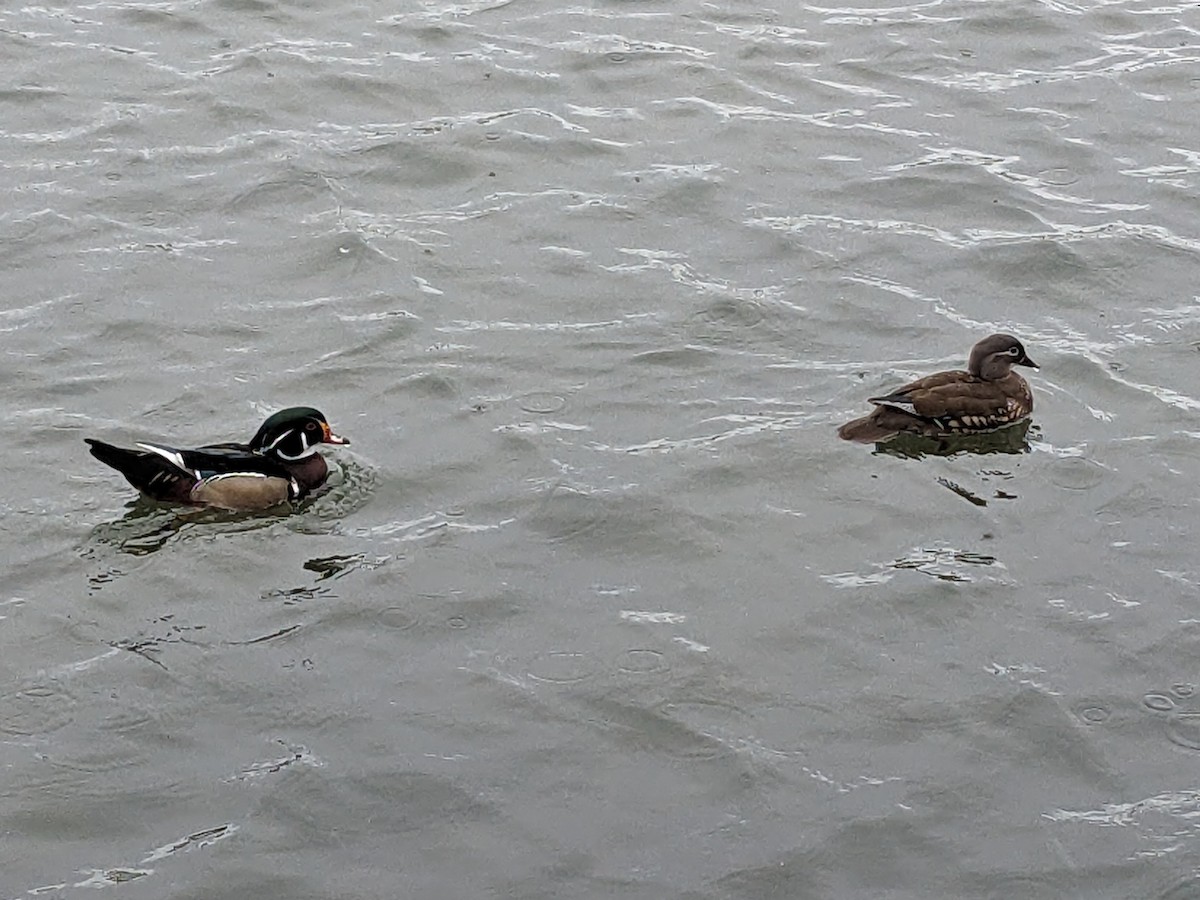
column 902, row 405
column 174, row 457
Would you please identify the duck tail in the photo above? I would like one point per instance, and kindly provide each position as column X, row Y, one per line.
column 148, row 472
column 867, row 430
column 117, row 457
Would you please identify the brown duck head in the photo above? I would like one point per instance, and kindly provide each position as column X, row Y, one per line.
column 994, row 356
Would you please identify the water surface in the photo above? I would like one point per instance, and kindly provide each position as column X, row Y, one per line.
column 597, row 605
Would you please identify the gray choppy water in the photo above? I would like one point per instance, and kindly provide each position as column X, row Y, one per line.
column 597, row 605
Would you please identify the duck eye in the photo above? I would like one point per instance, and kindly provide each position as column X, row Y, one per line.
column 311, row 426
column 1014, row 351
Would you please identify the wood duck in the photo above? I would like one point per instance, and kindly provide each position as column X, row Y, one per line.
column 280, row 464
column 988, row 396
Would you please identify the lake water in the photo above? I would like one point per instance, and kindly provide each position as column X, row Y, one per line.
column 597, row 605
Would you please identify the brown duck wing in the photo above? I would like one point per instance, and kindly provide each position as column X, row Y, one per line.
column 945, row 396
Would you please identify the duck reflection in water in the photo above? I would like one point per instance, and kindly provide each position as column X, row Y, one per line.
column 1013, row 439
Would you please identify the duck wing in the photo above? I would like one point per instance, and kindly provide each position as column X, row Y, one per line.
column 179, row 475
column 948, row 398
column 219, row 459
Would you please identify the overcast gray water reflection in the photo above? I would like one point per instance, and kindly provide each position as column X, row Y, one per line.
column 596, row 604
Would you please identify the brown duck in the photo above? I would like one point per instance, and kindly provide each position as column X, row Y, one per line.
column 988, row 396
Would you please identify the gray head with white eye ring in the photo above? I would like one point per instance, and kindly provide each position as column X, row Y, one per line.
column 994, row 356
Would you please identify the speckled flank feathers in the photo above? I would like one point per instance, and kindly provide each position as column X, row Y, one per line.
column 988, row 396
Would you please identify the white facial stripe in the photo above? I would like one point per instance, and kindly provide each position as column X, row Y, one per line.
column 309, row 449
column 271, row 446
column 302, row 455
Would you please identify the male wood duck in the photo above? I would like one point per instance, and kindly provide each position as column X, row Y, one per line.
column 988, row 396
column 280, row 464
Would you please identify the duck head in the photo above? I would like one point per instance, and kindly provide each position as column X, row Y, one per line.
column 294, row 433
column 994, row 356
